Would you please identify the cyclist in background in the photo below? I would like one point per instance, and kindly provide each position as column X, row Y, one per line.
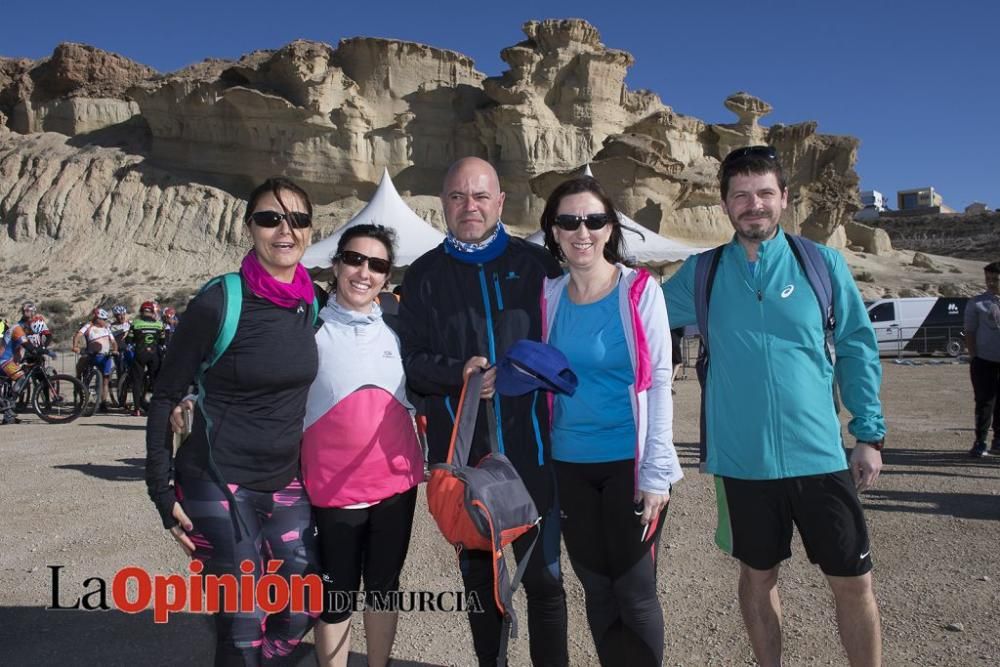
column 169, row 322
column 28, row 340
column 148, row 336
column 8, row 368
column 100, row 346
column 119, row 328
column 29, row 316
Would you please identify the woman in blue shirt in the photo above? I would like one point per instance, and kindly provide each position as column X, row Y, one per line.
column 612, row 441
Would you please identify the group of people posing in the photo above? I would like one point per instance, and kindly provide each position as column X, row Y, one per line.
column 311, row 458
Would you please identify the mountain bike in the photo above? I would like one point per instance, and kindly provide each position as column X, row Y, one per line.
column 55, row 397
column 123, row 387
column 93, row 381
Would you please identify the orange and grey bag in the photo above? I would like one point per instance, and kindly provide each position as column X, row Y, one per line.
column 485, row 507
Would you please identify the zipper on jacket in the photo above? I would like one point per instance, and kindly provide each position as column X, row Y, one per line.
column 779, row 456
column 493, row 350
column 538, row 431
column 496, row 287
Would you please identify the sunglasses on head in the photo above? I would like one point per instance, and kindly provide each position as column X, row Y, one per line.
column 269, row 219
column 571, row 223
column 376, row 264
column 765, row 152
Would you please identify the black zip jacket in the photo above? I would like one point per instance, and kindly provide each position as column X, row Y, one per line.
column 451, row 311
column 254, row 396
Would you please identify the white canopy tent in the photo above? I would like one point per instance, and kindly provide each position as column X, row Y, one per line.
column 414, row 236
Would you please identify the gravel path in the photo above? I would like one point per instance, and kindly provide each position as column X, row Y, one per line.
column 74, row 497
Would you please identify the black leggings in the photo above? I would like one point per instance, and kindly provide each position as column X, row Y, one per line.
column 370, row 542
column 985, row 388
column 275, row 526
column 143, row 357
column 615, row 565
column 543, row 587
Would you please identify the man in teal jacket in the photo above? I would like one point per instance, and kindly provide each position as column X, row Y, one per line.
column 773, row 438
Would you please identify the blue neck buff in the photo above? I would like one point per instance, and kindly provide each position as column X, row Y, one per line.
column 478, row 253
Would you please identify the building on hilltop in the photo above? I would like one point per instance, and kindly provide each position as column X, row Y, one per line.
column 874, row 199
column 920, row 201
column 977, row 207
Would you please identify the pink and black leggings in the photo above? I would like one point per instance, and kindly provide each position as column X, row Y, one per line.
column 276, row 525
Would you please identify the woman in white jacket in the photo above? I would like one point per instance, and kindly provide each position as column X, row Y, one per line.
column 612, row 441
column 361, row 461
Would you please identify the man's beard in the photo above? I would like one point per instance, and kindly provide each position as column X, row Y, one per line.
column 762, row 233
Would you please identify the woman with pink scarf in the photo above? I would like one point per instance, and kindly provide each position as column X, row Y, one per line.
column 233, row 492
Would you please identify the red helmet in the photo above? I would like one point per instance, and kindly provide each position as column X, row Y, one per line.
column 147, row 305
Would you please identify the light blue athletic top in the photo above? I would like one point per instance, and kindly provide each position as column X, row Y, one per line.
column 596, row 424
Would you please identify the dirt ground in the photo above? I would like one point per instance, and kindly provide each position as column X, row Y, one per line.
column 74, row 497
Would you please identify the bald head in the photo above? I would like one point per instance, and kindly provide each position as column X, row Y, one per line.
column 471, row 199
column 467, row 166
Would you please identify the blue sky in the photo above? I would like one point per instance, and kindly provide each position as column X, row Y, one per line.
column 916, row 80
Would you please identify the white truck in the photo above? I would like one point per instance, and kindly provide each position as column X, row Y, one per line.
column 921, row 325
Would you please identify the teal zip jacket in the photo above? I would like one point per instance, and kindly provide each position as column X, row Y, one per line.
column 769, row 407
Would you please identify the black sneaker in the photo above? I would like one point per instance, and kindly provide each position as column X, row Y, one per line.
column 103, row 408
column 978, row 450
column 12, row 420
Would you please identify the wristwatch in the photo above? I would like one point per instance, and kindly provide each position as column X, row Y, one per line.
column 877, row 445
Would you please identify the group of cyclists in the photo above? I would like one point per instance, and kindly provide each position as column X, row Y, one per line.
column 132, row 347
column 23, row 341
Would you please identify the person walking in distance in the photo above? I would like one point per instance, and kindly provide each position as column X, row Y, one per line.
column 982, row 337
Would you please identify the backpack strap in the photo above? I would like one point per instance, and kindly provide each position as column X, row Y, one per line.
column 232, row 306
column 706, row 266
column 818, row 274
column 508, row 626
column 464, row 430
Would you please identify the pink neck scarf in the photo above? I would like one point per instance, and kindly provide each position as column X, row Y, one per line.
column 266, row 286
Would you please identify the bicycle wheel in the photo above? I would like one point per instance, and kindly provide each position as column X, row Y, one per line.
column 22, row 402
column 58, row 399
column 122, row 390
column 91, row 382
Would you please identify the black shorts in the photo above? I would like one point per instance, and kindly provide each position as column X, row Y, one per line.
column 676, row 353
column 368, row 543
column 756, row 518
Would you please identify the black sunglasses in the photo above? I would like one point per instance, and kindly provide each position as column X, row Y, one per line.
column 376, row 264
column 269, row 219
column 571, row 223
column 765, row 152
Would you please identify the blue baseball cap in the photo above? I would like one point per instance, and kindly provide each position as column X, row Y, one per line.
column 530, row 365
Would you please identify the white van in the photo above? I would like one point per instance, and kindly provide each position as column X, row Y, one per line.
column 922, row 325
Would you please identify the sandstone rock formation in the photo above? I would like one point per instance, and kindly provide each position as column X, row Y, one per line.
column 331, row 119
column 868, row 239
column 77, row 90
column 105, row 162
